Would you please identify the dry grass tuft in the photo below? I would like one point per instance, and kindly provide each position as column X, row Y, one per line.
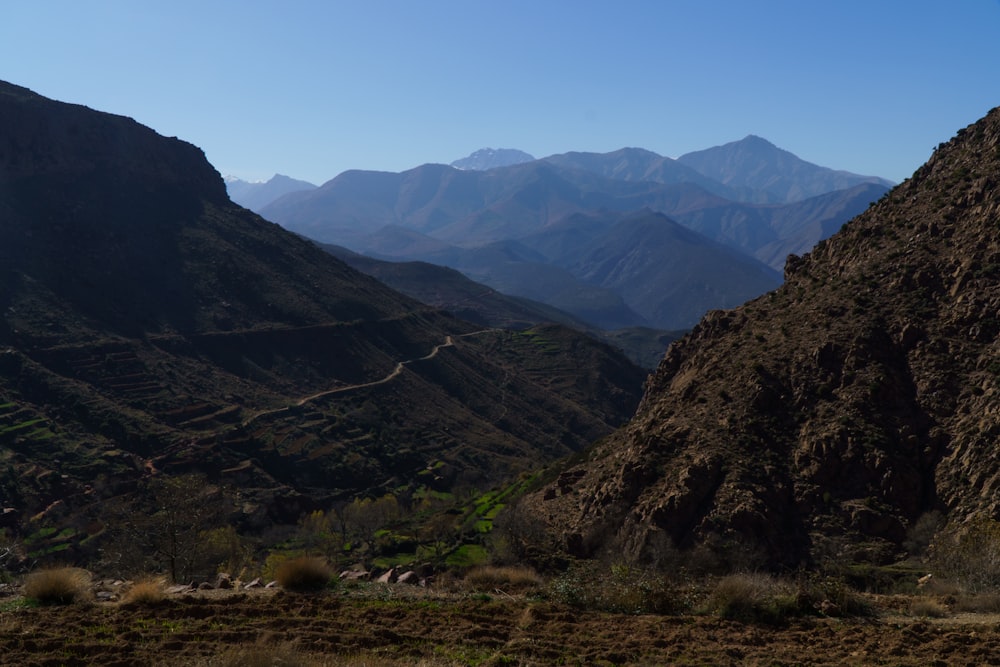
column 928, row 608
column 306, row 573
column 742, row 596
column 148, row 591
column 60, row 585
column 488, row 578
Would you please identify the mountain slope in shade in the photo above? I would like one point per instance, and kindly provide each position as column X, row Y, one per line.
column 765, row 173
column 512, row 269
column 451, row 290
column 149, row 326
column 446, row 288
column 256, row 196
column 667, row 272
column 771, row 232
column 825, row 418
column 491, row 158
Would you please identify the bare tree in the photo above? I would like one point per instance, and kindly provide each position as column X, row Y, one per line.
column 164, row 525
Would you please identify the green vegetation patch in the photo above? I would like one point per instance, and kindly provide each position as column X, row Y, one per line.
column 468, row 555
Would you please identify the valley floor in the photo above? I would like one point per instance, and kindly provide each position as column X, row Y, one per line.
column 382, row 629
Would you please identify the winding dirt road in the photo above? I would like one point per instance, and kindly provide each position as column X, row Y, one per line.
column 449, row 341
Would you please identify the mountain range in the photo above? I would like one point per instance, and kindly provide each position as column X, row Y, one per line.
column 453, row 291
column 151, row 327
column 822, row 422
column 257, row 195
column 561, row 230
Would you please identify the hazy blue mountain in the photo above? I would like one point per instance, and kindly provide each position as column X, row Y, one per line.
column 491, row 158
column 760, row 171
column 451, row 290
column 255, row 196
column 668, row 273
column 609, row 269
column 514, row 269
column 468, row 207
column 770, row 232
column 637, row 164
column 538, row 229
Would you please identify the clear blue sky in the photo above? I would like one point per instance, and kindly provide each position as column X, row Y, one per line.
column 310, row 88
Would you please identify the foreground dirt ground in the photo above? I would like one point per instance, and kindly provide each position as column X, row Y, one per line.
column 279, row 628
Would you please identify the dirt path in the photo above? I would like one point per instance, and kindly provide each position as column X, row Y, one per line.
column 449, row 341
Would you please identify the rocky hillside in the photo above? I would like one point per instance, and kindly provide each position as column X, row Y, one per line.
column 822, row 419
column 150, row 326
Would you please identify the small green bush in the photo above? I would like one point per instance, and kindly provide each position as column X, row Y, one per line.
column 61, row 585
column 305, row 573
column 619, row 588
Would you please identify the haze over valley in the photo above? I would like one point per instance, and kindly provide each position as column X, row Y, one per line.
column 628, row 240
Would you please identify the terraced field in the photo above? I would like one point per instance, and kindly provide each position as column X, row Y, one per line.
column 384, row 627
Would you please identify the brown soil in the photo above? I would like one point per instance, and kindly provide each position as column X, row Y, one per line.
column 336, row 629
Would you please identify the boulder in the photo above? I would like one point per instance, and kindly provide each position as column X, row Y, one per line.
column 409, row 577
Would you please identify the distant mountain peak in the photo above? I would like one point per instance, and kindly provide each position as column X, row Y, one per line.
column 755, row 139
column 255, row 195
column 755, row 164
column 492, row 158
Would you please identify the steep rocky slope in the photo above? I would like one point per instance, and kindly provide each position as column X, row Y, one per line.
column 149, row 326
column 822, row 419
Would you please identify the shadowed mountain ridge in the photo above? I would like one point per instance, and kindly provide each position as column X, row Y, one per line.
column 823, row 419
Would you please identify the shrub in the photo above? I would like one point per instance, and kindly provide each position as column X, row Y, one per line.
column 983, row 603
column 147, row 591
column 753, row 598
column 928, row 607
column 832, row 596
column 61, row 585
column 970, row 555
column 618, row 588
column 305, row 573
column 922, row 533
column 761, row 598
column 489, row 577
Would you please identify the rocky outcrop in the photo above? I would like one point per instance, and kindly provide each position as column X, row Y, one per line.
column 825, row 417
